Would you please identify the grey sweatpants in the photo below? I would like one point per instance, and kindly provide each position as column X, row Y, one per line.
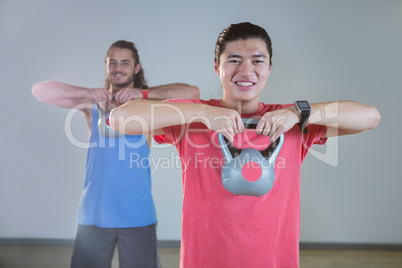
column 94, row 247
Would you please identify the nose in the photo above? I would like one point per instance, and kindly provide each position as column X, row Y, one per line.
column 118, row 67
column 246, row 69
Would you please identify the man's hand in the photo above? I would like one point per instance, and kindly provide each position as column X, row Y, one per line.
column 274, row 123
column 127, row 94
column 101, row 96
column 223, row 120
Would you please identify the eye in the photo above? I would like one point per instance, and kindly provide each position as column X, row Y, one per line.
column 258, row 61
column 235, row 61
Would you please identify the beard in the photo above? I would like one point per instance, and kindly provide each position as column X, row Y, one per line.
column 122, row 84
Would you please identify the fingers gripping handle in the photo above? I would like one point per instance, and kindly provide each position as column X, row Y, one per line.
column 227, row 154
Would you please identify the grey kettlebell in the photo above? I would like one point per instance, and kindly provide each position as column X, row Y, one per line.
column 103, row 125
column 249, row 171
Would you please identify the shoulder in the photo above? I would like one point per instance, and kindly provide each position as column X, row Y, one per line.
column 276, row 106
column 266, row 107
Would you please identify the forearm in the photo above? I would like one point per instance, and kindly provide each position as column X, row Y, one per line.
column 171, row 91
column 147, row 116
column 344, row 117
column 61, row 94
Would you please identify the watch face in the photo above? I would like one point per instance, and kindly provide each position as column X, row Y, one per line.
column 303, row 105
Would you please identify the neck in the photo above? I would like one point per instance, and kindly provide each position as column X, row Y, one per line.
column 115, row 88
column 243, row 107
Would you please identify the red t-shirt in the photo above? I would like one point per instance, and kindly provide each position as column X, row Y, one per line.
column 220, row 229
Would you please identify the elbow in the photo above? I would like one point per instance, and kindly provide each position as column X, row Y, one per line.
column 121, row 121
column 114, row 116
column 193, row 92
column 369, row 119
column 374, row 117
column 36, row 91
column 41, row 90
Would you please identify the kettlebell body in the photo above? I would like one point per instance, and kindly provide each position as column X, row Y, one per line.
column 249, row 171
column 103, row 125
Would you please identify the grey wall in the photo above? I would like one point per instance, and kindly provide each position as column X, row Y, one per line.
column 323, row 50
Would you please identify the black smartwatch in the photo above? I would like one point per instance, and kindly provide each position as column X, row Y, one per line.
column 304, row 109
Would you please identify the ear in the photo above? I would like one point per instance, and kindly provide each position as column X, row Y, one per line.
column 216, row 69
column 137, row 68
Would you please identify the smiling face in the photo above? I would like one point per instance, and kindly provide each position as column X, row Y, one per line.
column 244, row 67
column 121, row 68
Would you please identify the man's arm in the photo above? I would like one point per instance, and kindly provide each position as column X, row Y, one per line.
column 151, row 116
column 68, row 96
column 341, row 118
column 71, row 97
column 344, row 117
column 171, row 91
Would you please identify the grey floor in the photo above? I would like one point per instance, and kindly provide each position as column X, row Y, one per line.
column 59, row 257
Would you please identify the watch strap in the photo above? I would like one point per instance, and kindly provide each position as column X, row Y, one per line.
column 302, row 125
column 144, row 91
column 303, row 107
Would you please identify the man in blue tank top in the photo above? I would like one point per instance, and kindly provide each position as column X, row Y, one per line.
column 116, row 206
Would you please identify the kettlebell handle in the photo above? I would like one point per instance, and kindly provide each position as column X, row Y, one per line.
column 228, row 150
column 249, row 123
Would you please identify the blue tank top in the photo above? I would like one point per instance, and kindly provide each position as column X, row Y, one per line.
column 117, row 189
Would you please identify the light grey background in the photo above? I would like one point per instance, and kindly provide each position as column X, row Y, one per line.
column 323, row 51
